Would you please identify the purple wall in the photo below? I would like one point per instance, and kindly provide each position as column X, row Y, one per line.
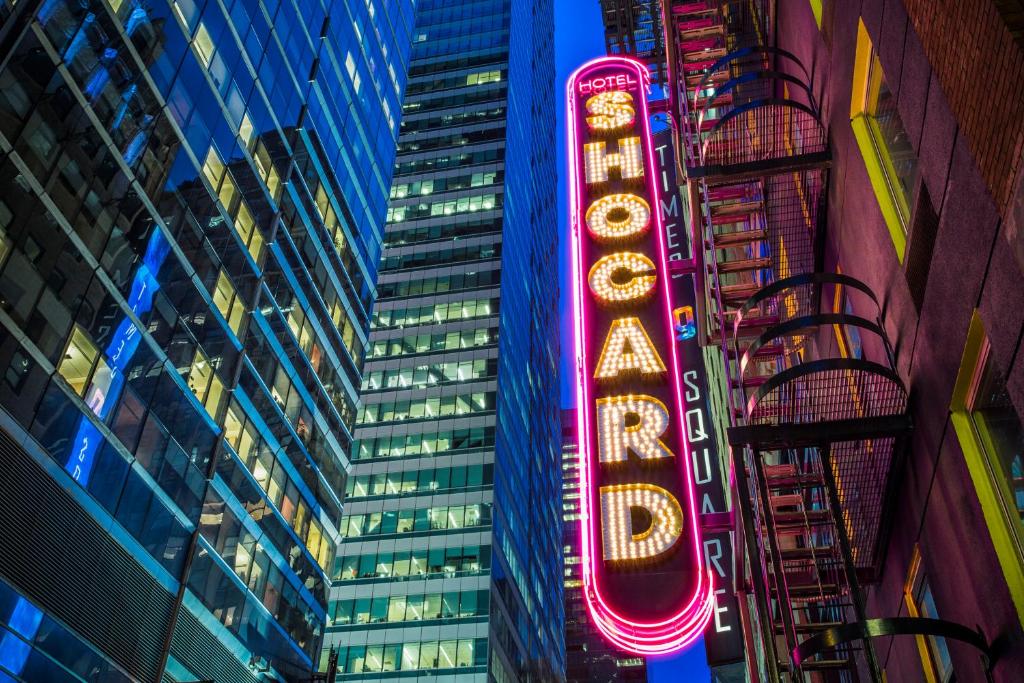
column 974, row 265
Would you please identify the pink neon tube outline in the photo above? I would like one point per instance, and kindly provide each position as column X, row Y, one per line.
column 686, row 625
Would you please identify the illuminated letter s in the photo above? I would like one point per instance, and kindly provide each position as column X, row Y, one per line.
column 611, row 110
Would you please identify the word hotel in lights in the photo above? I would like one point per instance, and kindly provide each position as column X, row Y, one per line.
column 644, row 578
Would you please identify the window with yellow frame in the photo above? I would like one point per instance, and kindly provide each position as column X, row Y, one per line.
column 817, row 9
column 934, row 652
column 847, row 336
column 991, row 436
column 883, row 141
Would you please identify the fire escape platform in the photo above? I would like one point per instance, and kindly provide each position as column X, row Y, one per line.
column 772, row 437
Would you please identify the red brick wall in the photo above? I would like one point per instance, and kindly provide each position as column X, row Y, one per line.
column 981, row 69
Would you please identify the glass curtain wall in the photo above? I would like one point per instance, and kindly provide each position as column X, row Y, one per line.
column 191, row 209
column 450, row 561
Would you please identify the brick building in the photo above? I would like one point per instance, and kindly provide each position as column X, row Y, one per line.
column 854, row 174
column 945, row 83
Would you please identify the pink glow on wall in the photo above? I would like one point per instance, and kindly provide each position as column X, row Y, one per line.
column 628, row 605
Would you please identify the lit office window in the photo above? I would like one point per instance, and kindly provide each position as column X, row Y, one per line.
column 483, row 77
column 213, row 167
column 227, row 301
column 445, row 654
column 883, row 141
column 79, row 360
column 204, row 45
column 224, row 187
column 204, row 383
column 246, row 131
column 250, row 234
column 267, row 172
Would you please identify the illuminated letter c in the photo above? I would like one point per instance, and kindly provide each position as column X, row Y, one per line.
column 639, row 284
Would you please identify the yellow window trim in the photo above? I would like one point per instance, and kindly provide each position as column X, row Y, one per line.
column 863, row 100
column 816, row 7
column 837, row 300
column 861, row 62
column 980, row 468
column 927, row 665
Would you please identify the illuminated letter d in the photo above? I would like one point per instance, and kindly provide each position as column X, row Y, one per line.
column 622, row 539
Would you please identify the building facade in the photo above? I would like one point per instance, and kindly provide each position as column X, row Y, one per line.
column 635, row 28
column 854, row 172
column 925, row 207
column 191, row 214
column 588, row 656
column 449, row 564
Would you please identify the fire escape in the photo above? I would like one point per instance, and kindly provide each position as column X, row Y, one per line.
column 818, row 414
column 633, row 27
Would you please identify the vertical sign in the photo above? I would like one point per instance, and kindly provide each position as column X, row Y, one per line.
column 723, row 638
column 644, row 576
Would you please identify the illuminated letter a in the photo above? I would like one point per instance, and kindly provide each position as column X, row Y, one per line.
column 627, row 348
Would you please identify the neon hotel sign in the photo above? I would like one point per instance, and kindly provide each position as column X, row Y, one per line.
column 644, row 579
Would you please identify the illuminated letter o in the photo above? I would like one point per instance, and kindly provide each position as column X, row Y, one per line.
column 618, row 217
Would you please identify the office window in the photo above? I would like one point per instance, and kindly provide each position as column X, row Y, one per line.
column 6, row 216
column 883, row 141
column 247, row 132
column 204, row 45
column 85, row 369
column 990, row 433
column 934, row 652
column 78, row 361
column 227, row 301
column 205, row 384
column 247, row 230
column 225, row 189
column 213, row 168
column 267, row 172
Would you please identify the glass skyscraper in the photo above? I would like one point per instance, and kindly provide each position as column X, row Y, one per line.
column 589, row 657
column 192, row 195
column 450, row 562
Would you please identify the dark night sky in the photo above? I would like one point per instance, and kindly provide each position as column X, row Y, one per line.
column 579, row 37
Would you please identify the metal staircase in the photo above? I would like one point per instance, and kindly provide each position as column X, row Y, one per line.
column 815, row 460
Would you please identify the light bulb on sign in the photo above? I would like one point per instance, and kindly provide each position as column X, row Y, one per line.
column 641, row 357
column 621, row 542
column 615, row 438
column 618, row 217
column 639, row 286
column 611, row 109
column 598, row 161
